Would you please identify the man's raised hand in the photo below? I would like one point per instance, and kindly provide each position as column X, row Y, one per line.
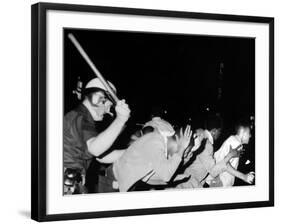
column 236, row 152
column 183, row 139
column 122, row 110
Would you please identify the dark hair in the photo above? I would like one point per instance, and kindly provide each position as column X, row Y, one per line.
column 241, row 124
column 213, row 122
column 139, row 133
column 147, row 129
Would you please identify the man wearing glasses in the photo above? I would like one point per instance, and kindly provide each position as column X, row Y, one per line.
column 82, row 141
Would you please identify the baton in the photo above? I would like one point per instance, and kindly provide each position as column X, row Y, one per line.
column 93, row 67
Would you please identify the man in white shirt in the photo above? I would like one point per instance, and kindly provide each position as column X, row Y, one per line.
column 226, row 179
column 204, row 163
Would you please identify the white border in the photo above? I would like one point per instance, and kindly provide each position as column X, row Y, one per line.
column 56, row 203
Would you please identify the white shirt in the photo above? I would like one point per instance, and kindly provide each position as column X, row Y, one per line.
column 209, row 136
column 226, row 178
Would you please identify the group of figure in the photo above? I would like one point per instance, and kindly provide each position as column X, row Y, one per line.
column 159, row 157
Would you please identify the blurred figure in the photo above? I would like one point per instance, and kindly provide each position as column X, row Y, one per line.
column 204, row 162
column 242, row 136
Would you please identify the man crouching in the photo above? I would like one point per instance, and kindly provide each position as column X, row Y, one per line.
column 147, row 159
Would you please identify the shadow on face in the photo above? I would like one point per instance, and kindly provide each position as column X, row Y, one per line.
column 172, row 146
column 216, row 132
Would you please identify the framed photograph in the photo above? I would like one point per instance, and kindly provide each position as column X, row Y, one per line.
column 139, row 111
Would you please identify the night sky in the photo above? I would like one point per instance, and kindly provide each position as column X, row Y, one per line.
column 176, row 73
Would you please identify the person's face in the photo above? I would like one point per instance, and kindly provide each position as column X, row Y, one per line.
column 172, row 146
column 216, row 132
column 245, row 135
column 100, row 104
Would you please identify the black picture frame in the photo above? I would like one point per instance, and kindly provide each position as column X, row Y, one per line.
column 39, row 122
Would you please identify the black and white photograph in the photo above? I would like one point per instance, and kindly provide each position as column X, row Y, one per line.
column 150, row 111
column 154, row 111
column 136, row 111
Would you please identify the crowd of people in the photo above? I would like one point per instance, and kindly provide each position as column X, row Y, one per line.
column 158, row 156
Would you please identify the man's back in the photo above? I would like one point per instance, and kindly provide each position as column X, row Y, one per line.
column 137, row 161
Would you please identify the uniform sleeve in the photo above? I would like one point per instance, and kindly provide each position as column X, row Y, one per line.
column 87, row 129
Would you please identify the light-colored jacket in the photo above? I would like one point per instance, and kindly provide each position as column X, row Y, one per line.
column 143, row 159
column 205, row 163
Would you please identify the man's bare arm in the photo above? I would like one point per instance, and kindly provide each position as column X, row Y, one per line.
column 101, row 143
column 248, row 178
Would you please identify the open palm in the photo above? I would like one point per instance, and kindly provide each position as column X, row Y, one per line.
column 183, row 139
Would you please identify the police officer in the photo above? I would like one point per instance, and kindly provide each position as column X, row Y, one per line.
column 82, row 141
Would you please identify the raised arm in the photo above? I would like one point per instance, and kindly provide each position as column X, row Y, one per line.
column 101, row 143
column 221, row 166
column 248, row 178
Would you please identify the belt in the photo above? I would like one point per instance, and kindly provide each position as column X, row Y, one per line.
column 109, row 174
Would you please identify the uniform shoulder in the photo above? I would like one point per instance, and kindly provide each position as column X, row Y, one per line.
column 77, row 119
column 70, row 116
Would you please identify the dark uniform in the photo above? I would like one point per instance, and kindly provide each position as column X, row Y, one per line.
column 78, row 128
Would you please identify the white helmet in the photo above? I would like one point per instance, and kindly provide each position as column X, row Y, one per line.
column 96, row 84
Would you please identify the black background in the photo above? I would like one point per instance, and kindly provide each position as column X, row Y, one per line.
column 179, row 73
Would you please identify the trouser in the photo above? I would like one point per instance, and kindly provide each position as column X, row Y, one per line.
column 191, row 183
column 216, row 182
column 142, row 186
column 107, row 181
